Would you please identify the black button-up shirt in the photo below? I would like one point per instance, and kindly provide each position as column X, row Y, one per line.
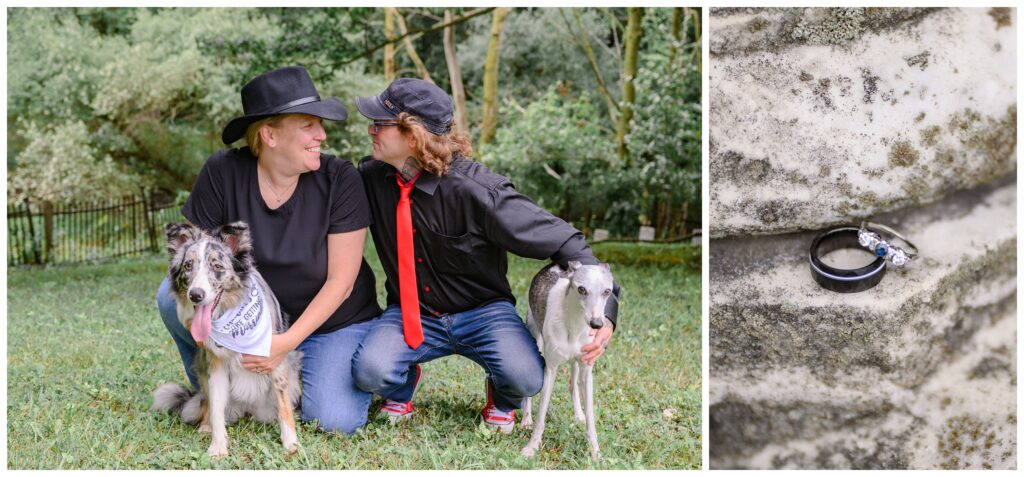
column 463, row 225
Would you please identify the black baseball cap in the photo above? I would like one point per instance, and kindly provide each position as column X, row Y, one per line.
column 420, row 98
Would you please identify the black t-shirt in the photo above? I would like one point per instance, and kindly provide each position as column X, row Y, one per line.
column 290, row 242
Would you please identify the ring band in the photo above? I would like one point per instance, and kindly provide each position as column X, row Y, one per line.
column 842, row 280
column 870, row 240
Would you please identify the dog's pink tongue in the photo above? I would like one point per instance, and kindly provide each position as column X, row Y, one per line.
column 201, row 323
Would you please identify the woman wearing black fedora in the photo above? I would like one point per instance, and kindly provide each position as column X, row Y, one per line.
column 308, row 216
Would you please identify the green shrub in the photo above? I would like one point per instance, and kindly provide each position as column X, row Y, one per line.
column 658, row 255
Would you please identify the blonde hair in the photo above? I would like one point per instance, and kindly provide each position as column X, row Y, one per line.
column 435, row 152
column 252, row 133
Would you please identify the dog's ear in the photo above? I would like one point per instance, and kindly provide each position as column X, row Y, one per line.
column 606, row 266
column 236, row 235
column 178, row 234
column 574, row 265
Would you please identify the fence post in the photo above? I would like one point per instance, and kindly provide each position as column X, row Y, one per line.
column 32, row 232
column 47, row 231
column 150, row 207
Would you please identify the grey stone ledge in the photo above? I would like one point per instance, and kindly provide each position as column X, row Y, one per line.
column 962, row 417
column 748, row 30
column 767, row 312
column 909, row 110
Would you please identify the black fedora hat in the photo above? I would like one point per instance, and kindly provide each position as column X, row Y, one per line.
column 287, row 90
column 417, row 97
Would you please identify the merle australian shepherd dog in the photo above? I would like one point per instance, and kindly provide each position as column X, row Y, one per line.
column 211, row 275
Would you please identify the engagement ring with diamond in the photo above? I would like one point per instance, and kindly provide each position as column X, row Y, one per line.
column 885, row 249
column 843, row 280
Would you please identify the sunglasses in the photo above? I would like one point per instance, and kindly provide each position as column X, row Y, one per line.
column 379, row 124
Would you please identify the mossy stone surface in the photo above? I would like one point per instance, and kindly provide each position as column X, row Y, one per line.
column 801, row 377
column 825, row 116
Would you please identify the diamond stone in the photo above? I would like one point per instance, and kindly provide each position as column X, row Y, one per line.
column 899, row 257
column 868, row 239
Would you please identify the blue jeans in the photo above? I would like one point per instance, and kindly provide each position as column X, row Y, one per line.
column 492, row 336
column 329, row 394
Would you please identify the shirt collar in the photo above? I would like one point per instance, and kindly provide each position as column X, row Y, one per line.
column 427, row 182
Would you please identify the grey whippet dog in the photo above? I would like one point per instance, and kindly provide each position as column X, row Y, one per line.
column 565, row 304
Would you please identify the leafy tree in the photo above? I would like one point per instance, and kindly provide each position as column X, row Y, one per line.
column 103, row 100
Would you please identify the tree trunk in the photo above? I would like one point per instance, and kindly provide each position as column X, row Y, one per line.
column 490, row 122
column 695, row 14
column 389, row 49
column 678, row 29
column 455, row 76
column 632, row 47
column 409, row 49
column 686, row 215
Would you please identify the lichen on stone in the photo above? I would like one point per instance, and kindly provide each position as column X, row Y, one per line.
column 989, row 366
column 919, row 60
column 903, row 154
column 930, row 136
column 965, row 442
column 823, row 98
column 1002, row 16
column 870, row 85
column 774, row 29
column 757, row 24
column 838, row 26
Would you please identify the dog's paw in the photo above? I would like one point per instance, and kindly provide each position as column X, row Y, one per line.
column 581, row 419
column 218, row 450
column 595, row 455
column 529, row 450
column 289, row 440
column 290, row 444
column 205, row 428
column 526, row 423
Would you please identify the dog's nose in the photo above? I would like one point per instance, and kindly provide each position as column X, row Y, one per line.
column 596, row 323
column 196, row 295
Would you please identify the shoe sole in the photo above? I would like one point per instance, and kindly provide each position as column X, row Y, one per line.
column 397, row 418
column 394, row 418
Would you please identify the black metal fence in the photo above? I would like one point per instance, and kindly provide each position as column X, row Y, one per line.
column 47, row 233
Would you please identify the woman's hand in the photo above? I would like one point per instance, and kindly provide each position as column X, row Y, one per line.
column 280, row 345
column 344, row 257
column 596, row 348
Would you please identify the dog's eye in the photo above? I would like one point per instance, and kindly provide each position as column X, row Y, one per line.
column 607, row 292
column 188, row 266
column 583, row 291
column 217, row 267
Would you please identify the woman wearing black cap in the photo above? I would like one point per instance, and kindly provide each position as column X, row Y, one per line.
column 308, row 217
column 443, row 225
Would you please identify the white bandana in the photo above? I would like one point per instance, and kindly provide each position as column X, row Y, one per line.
column 245, row 328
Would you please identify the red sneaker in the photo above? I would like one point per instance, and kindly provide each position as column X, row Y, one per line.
column 495, row 419
column 399, row 411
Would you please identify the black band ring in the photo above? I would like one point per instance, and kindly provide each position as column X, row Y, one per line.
column 838, row 279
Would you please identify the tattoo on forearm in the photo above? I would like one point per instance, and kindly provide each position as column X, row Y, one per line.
column 410, row 168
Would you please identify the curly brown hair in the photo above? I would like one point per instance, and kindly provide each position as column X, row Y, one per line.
column 435, row 152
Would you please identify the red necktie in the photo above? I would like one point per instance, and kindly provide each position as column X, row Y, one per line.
column 407, row 268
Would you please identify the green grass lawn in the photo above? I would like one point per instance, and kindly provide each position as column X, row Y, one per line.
column 86, row 348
